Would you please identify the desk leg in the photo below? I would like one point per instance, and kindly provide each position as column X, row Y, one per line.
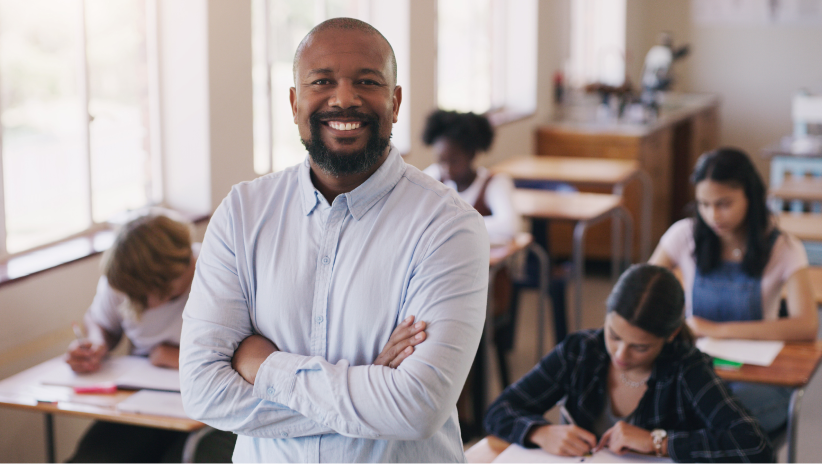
column 544, row 278
column 793, row 422
column 49, row 423
column 579, row 271
column 193, row 439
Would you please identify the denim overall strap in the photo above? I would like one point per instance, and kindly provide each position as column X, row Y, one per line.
column 727, row 293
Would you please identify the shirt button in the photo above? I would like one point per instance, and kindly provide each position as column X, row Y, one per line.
column 270, row 391
column 326, row 260
column 319, row 319
column 284, row 434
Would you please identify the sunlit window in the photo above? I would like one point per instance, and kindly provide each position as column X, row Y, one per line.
column 277, row 28
column 487, row 55
column 75, row 116
column 597, row 52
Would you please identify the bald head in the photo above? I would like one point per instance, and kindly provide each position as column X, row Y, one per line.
column 349, row 24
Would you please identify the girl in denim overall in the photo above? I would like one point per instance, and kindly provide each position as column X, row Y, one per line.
column 734, row 264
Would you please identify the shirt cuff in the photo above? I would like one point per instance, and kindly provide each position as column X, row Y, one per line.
column 276, row 377
column 526, row 425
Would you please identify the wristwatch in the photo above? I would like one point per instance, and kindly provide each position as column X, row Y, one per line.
column 658, row 435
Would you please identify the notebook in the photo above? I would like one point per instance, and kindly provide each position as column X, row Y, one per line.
column 516, row 454
column 157, row 403
column 756, row 352
column 128, row 372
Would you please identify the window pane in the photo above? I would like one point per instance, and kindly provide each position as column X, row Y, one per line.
column 288, row 22
column 41, row 112
column 464, row 55
column 118, row 104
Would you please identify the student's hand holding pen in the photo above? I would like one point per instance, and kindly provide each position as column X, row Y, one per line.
column 83, row 355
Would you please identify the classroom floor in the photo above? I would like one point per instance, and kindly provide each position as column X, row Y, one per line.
column 596, row 287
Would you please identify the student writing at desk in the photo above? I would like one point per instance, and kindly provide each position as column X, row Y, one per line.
column 735, row 263
column 146, row 280
column 638, row 384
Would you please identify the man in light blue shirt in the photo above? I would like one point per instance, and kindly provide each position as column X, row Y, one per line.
column 304, row 274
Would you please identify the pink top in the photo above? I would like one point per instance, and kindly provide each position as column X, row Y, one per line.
column 787, row 256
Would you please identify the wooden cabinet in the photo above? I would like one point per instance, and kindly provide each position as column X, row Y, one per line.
column 666, row 149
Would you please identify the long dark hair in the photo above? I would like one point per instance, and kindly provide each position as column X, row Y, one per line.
column 471, row 131
column 650, row 297
column 732, row 167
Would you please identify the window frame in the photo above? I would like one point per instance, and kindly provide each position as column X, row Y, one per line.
column 155, row 196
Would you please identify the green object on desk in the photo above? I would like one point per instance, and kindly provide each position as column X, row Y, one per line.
column 720, row 363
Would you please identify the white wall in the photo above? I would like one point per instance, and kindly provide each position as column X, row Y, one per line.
column 755, row 69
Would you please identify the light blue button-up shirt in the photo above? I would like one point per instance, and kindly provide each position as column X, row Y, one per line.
column 328, row 284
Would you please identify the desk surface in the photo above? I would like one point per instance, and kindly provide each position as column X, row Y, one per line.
column 794, row 366
column 564, row 206
column 804, row 226
column 575, row 170
column 24, row 391
column 799, row 189
column 500, row 253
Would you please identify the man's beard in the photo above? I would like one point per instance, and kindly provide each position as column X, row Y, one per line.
column 341, row 164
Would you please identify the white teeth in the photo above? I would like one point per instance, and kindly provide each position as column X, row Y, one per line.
column 345, row 126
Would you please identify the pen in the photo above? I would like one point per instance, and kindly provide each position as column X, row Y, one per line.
column 566, row 416
column 78, row 332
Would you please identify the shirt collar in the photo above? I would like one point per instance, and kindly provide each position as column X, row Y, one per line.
column 362, row 198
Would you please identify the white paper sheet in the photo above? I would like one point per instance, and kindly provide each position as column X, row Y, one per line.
column 516, row 453
column 756, row 352
column 133, row 372
column 158, row 403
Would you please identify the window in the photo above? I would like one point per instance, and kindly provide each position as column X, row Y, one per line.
column 487, row 55
column 75, row 115
column 597, row 42
column 278, row 26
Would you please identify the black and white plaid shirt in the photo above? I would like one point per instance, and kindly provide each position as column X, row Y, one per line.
column 704, row 421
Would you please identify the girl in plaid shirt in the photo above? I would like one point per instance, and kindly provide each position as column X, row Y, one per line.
column 636, row 385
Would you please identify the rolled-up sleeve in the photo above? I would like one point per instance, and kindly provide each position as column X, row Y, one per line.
column 447, row 289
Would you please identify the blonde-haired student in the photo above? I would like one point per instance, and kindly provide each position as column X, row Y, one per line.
column 147, row 275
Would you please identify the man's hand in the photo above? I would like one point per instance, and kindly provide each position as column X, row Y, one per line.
column 84, row 356
column 250, row 355
column 165, row 355
column 624, row 437
column 563, row 440
column 402, row 342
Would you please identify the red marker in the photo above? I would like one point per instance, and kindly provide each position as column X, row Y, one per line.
column 105, row 387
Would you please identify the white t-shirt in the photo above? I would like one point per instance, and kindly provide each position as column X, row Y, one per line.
column 162, row 324
column 504, row 222
column 787, row 256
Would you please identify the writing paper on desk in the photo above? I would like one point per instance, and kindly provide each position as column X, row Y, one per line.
column 756, row 352
column 156, row 403
column 130, row 372
column 516, row 453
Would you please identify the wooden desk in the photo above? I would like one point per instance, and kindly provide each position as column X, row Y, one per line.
column 807, row 227
column 584, row 210
column 666, row 149
column 24, row 391
column 582, row 172
column 793, row 367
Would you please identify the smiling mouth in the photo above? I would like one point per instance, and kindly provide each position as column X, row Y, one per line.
column 344, row 126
